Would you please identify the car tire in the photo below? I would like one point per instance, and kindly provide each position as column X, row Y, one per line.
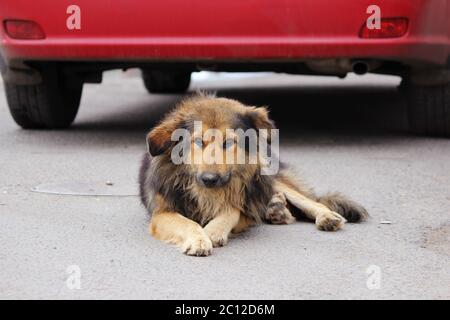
column 52, row 104
column 429, row 109
column 166, row 81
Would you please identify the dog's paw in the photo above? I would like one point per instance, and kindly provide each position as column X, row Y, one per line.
column 330, row 221
column 197, row 246
column 279, row 215
column 277, row 212
column 218, row 238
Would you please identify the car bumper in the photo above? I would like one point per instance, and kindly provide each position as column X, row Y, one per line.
column 227, row 30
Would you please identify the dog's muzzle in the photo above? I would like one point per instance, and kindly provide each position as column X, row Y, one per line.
column 213, row 180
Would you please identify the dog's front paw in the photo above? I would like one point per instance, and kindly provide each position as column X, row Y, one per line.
column 218, row 237
column 330, row 221
column 197, row 246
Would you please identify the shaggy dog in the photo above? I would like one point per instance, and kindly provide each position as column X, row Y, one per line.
column 196, row 205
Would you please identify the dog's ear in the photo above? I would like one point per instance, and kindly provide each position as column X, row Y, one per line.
column 258, row 118
column 159, row 138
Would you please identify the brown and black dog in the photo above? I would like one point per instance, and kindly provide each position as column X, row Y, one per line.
column 196, row 206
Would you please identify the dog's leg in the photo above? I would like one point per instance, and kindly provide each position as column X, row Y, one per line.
column 277, row 211
column 244, row 224
column 176, row 229
column 325, row 219
column 220, row 227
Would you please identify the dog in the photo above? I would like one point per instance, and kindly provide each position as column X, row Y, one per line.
column 197, row 205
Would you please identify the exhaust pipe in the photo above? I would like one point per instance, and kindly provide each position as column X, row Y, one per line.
column 360, row 67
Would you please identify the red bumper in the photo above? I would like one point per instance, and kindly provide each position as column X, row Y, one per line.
column 226, row 30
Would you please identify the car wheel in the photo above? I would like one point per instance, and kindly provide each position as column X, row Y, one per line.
column 429, row 108
column 166, row 81
column 52, row 104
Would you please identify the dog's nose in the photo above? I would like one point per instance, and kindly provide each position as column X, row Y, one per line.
column 210, row 179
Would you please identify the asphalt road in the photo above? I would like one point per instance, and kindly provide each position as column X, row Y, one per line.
column 339, row 135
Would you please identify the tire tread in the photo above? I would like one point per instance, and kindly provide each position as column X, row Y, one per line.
column 49, row 105
column 429, row 109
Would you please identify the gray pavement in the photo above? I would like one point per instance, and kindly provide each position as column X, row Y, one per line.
column 339, row 135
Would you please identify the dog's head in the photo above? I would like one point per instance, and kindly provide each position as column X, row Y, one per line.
column 213, row 141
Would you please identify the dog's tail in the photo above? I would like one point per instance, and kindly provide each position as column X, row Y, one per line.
column 349, row 209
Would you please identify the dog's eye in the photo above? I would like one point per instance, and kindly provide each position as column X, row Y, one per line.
column 198, row 142
column 228, row 143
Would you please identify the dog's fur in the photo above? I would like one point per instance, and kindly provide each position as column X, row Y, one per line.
column 194, row 217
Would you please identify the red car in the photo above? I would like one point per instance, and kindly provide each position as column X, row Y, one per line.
column 50, row 48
